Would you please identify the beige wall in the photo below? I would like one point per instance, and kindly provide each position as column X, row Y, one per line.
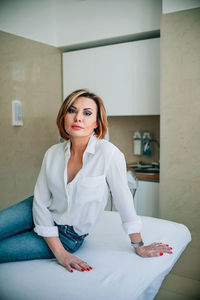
column 180, row 143
column 30, row 72
column 121, row 130
column 180, row 117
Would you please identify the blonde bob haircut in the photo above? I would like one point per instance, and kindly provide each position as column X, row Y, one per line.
column 101, row 129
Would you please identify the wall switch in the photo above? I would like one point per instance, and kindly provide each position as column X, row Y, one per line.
column 17, row 113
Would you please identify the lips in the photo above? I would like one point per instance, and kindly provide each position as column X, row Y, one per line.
column 76, row 127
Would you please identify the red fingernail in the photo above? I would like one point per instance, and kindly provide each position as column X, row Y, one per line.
column 171, row 252
column 167, row 245
column 161, row 254
column 90, row 268
column 71, row 271
column 170, row 248
column 82, row 270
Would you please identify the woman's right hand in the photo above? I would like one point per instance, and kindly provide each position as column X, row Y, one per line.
column 70, row 262
column 64, row 258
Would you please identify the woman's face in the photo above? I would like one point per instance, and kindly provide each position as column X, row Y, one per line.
column 81, row 118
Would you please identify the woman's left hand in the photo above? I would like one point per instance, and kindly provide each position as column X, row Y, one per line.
column 155, row 249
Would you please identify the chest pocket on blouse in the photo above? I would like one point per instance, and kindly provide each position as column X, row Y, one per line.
column 91, row 189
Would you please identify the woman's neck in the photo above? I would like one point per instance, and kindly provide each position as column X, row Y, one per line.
column 78, row 145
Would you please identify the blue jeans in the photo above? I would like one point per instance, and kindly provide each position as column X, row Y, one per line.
column 18, row 241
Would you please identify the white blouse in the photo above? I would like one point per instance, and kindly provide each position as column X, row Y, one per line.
column 81, row 202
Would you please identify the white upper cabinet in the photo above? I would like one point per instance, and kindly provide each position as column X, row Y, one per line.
column 78, row 70
column 126, row 76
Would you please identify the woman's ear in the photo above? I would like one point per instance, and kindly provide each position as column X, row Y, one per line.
column 96, row 125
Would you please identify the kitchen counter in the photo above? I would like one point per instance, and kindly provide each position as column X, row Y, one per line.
column 145, row 172
column 147, row 177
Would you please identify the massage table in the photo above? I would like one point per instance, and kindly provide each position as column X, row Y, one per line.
column 118, row 272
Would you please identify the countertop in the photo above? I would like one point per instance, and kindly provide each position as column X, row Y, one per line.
column 147, row 177
column 153, row 173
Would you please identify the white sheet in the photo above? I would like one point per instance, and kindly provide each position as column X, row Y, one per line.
column 118, row 273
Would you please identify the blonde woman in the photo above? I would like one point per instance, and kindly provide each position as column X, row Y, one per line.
column 71, row 192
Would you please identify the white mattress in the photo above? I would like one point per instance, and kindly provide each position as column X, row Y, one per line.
column 118, row 273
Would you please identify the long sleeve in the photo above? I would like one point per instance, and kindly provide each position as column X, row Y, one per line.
column 123, row 199
column 43, row 220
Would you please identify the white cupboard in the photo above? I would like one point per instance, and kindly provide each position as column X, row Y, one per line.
column 146, row 199
column 126, row 76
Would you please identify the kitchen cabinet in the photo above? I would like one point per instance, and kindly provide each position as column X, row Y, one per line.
column 146, row 199
column 126, row 76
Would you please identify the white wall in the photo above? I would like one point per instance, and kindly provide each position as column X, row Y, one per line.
column 177, row 5
column 32, row 19
column 66, row 22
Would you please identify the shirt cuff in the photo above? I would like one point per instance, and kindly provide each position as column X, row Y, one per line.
column 46, row 231
column 132, row 227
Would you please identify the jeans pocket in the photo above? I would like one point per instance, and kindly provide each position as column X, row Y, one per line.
column 70, row 242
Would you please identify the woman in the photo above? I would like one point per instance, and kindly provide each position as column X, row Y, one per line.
column 71, row 192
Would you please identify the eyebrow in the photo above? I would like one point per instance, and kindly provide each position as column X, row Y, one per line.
column 83, row 109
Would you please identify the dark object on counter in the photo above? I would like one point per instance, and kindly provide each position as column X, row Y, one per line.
column 146, row 170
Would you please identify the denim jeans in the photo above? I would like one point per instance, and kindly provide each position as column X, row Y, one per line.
column 18, row 241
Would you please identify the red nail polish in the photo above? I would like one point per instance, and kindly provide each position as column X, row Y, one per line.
column 170, row 248
column 90, row 268
column 167, row 245
column 171, row 252
column 82, row 270
column 161, row 254
column 71, row 271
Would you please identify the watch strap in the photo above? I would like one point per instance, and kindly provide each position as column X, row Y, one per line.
column 136, row 245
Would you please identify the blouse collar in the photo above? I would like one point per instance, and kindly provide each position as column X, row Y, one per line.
column 90, row 146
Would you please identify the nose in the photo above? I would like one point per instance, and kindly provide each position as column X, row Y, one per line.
column 78, row 116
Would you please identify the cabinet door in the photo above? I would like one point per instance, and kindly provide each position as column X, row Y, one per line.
column 127, row 77
column 146, row 79
column 114, row 72
column 147, row 199
column 78, row 71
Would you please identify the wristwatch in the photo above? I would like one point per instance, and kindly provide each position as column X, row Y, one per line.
column 136, row 245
